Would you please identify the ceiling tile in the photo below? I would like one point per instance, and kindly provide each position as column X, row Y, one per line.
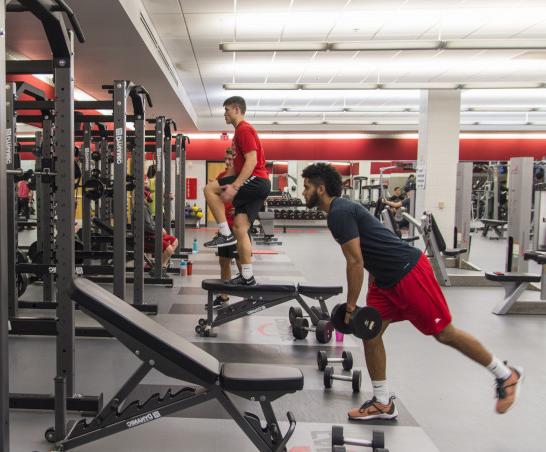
column 262, row 6
column 208, row 6
column 161, row 6
column 169, row 25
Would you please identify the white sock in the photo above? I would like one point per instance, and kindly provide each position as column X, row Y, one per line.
column 381, row 391
column 499, row 369
column 247, row 271
column 224, row 228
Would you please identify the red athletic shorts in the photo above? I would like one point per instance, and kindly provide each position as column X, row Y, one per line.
column 149, row 242
column 417, row 297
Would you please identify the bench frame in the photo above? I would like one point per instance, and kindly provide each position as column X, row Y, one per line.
column 255, row 302
column 512, row 292
column 119, row 414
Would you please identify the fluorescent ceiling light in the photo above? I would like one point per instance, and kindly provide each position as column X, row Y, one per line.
column 338, row 86
column 508, row 109
column 495, row 44
column 502, row 85
column 419, row 85
column 262, row 86
column 382, row 45
column 287, row 46
column 383, row 86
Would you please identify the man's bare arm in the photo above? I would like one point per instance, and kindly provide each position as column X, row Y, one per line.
column 355, row 271
column 251, row 159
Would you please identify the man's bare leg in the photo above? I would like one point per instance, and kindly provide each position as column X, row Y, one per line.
column 212, row 195
column 241, row 225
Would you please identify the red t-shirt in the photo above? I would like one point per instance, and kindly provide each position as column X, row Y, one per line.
column 23, row 190
column 227, row 205
column 245, row 140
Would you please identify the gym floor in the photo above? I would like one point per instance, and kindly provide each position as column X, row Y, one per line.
column 445, row 401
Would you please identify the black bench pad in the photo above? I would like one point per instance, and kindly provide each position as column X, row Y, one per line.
column 512, row 277
column 220, row 285
column 173, row 355
column 454, row 252
column 319, row 290
column 538, row 256
column 258, row 377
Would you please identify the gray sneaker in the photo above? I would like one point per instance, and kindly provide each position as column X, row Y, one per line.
column 239, row 280
column 220, row 240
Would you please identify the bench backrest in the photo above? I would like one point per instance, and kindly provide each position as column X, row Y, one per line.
column 172, row 355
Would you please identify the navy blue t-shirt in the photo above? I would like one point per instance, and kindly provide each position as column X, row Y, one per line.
column 386, row 257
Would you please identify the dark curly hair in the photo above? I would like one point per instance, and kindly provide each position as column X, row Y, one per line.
column 324, row 174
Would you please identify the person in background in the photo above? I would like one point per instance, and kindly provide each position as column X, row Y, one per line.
column 227, row 253
column 24, row 199
column 170, row 243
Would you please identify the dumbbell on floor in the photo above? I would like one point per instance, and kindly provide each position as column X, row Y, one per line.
column 323, row 329
column 338, row 440
column 355, row 378
column 323, row 360
column 295, row 311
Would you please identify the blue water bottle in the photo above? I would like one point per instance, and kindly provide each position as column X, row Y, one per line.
column 195, row 247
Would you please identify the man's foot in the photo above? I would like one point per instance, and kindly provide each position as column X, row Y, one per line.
column 220, row 240
column 507, row 390
column 372, row 409
column 219, row 302
column 240, row 281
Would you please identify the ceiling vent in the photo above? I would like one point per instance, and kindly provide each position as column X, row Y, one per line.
column 158, row 48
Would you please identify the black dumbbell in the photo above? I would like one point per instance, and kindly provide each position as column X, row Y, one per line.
column 365, row 322
column 323, row 360
column 323, row 329
column 295, row 311
column 355, row 378
column 377, row 443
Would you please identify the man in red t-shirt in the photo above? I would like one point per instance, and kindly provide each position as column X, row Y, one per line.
column 247, row 185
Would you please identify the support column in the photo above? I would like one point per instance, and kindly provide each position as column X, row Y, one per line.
column 437, row 157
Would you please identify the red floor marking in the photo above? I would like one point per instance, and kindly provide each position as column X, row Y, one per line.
column 264, row 252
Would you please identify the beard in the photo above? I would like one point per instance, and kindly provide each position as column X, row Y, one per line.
column 313, row 201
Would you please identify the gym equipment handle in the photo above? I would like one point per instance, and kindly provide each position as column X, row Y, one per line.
column 72, row 18
column 291, row 428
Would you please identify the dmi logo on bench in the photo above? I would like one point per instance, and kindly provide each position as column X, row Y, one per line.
column 119, row 145
column 143, row 419
column 252, row 311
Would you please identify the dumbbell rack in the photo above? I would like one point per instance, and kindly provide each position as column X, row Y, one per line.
column 291, row 207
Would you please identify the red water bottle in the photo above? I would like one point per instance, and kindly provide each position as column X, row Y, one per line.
column 190, row 268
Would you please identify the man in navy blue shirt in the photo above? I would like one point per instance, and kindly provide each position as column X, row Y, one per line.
column 402, row 287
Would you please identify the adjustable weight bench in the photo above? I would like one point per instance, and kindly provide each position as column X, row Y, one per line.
column 516, row 283
column 264, row 296
column 497, row 226
column 160, row 349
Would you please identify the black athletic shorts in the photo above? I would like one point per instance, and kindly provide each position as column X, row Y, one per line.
column 250, row 197
column 228, row 251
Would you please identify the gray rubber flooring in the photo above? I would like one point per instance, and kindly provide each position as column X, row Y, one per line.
column 445, row 401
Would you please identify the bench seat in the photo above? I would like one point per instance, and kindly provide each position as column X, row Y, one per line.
column 319, row 290
column 512, row 277
column 223, row 286
column 260, row 378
